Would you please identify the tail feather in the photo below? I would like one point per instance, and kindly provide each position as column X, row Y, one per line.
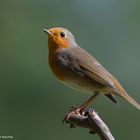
column 121, row 92
column 130, row 100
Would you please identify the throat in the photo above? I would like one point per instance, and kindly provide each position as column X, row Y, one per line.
column 54, row 67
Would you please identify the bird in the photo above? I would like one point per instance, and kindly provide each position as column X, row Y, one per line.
column 77, row 68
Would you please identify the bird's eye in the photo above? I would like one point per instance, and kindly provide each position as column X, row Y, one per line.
column 62, row 34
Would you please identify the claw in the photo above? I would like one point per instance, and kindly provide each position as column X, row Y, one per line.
column 73, row 110
column 72, row 126
column 65, row 119
column 91, row 132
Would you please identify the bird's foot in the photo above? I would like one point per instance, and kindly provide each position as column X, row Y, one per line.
column 74, row 110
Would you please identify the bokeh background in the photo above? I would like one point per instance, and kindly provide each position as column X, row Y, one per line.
column 32, row 101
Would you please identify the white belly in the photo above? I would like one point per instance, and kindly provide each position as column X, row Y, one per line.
column 79, row 87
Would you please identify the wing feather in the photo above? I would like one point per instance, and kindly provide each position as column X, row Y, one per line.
column 82, row 62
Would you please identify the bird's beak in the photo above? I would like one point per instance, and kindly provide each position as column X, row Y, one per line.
column 48, row 32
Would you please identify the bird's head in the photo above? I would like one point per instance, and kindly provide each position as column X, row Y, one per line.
column 59, row 38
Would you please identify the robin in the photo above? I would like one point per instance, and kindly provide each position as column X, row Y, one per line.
column 78, row 69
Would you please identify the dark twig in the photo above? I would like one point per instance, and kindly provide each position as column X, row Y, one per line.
column 91, row 121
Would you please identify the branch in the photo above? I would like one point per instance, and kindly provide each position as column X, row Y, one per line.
column 91, row 121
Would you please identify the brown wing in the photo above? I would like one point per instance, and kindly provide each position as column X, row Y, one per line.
column 98, row 74
column 82, row 62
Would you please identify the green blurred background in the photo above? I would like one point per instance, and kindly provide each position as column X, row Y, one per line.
column 32, row 101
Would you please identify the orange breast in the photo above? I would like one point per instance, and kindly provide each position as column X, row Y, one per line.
column 55, row 69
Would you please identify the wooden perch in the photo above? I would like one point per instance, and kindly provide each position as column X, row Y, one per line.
column 91, row 121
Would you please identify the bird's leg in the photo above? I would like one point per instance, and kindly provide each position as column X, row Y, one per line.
column 80, row 110
column 88, row 102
